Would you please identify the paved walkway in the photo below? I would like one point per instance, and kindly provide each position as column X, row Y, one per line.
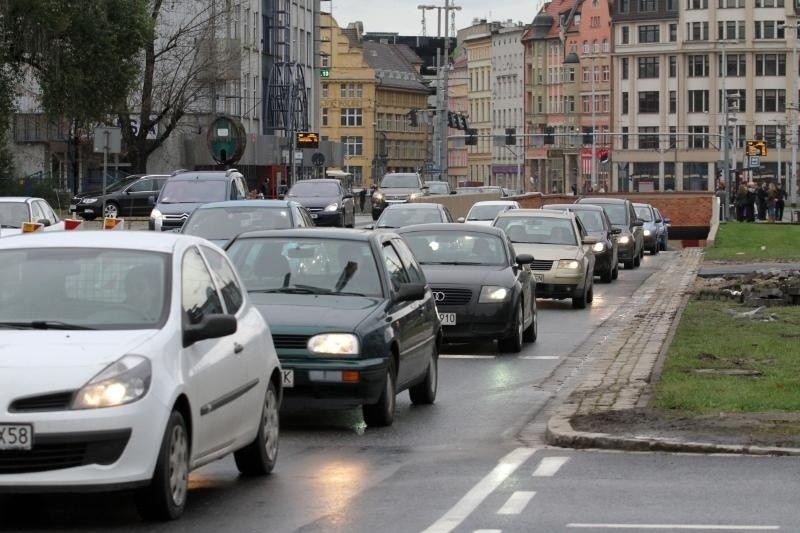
column 620, row 377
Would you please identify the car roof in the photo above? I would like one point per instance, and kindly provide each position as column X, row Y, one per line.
column 18, row 199
column 642, row 205
column 204, row 174
column 594, row 200
column 495, row 202
column 250, row 203
column 451, row 226
column 570, row 207
column 319, row 233
column 414, row 205
column 127, row 240
column 536, row 213
column 318, row 180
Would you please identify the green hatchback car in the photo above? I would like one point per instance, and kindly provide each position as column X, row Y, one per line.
column 352, row 318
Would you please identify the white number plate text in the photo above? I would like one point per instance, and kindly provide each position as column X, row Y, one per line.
column 447, row 319
column 16, row 436
column 538, row 278
column 288, row 378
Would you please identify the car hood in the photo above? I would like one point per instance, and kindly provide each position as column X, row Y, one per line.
column 8, row 232
column 398, row 190
column 467, row 275
column 316, row 201
column 89, row 194
column 37, row 361
column 480, row 222
column 177, row 208
column 548, row 252
column 311, row 313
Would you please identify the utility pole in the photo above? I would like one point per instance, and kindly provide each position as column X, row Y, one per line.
column 443, row 163
column 594, row 126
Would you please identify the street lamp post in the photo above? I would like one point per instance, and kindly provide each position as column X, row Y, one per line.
column 791, row 181
column 594, row 134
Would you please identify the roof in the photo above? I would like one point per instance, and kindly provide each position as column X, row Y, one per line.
column 420, row 205
column 17, row 199
column 393, row 65
column 249, row 203
column 318, row 180
column 451, row 226
column 314, row 233
column 128, row 240
column 579, row 207
column 496, row 202
column 535, row 213
column 595, row 200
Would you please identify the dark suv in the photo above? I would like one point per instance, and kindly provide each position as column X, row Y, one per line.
column 397, row 188
column 623, row 216
column 186, row 190
column 128, row 197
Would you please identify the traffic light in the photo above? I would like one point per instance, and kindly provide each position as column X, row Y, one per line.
column 511, row 136
column 549, row 138
column 602, row 155
column 472, row 137
column 412, row 118
column 462, row 122
column 452, row 120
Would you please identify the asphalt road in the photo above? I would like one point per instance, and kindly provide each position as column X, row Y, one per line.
column 475, row 461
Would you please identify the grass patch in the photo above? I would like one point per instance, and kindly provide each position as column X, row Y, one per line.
column 709, row 338
column 743, row 242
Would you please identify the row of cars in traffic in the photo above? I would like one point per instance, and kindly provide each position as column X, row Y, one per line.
column 156, row 353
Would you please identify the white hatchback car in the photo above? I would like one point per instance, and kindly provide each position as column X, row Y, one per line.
column 14, row 210
column 127, row 360
column 484, row 213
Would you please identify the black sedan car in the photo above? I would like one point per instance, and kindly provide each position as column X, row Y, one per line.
column 479, row 283
column 596, row 223
column 352, row 318
column 128, row 197
column 327, row 201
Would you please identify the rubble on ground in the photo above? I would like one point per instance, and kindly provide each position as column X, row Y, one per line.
column 763, row 288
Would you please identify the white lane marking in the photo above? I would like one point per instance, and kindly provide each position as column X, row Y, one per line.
column 541, row 357
column 472, row 499
column 457, row 356
column 549, row 466
column 517, row 502
column 716, row 527
column 488, row 531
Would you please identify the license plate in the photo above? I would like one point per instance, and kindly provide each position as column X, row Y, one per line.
column 447, row 319
column 16, row 436
column 313, row 215
column 538, row 278
column 288, row 378
column 88, row 211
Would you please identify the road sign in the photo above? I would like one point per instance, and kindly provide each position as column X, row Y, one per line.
column 318, row 159
column 754, row 161
column 107, row 140
column 756, row 148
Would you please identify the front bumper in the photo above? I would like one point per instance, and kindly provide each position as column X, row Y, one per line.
column 478, row 321
column 627, row 251
column 91, row 449
column 318, row 382
column 604, row 262
column 559, row 285
column 325, row 218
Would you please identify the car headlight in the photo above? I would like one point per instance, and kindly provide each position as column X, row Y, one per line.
column 124, row 381
column 88, row 201
column 624, row 239
column 332, row 207
column 155, row 214
column 647, row 233
column 599, row 247
column 333, row 344
column 492, row 294
column 571, row 264
column 378, row 197
column 413, row 196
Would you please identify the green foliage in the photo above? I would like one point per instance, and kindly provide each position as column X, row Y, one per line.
column 710, row 338
column 743, row 242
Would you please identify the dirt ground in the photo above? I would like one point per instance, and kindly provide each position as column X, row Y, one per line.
column 761, row 429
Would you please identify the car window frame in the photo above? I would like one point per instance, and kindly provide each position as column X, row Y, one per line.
column 387, row 244
column 207, row 251
column 409, row 261
column 185, row 317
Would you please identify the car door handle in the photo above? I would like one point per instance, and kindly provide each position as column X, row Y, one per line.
column 237, row 348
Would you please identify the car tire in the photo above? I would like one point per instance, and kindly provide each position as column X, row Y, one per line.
column 353, row 221
column 590, row 293
column 615, row 272
column 654, row 250
column 628, row 265
column 579, row 302
column 381, row 413
column 259, row 457
column 532, row 332
column 637, row 261
column 165, row 497
column 424, row 392
column 608, row 275
column 111, row 210
column 513, row 343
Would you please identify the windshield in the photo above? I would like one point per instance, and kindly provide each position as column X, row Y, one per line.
column 193, row 192
column 306, row 266
column 437, row 188
column 124, row 182
column 84, row 287
column 397, row 217
column 456, row 248
column 485, row 212
column 400, row 181
column 644, row 213
column 13, row 214
column 226, row 222
column 317, row 189
column 536, row 230
column 592, row 220
column 617, row 213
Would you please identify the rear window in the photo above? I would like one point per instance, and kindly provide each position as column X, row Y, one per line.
column 193, row 191
column 400, row 181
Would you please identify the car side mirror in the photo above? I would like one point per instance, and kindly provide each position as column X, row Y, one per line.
column 524, row 259
column 369, row 226
column 346, row 196
column 639, row 223
column 44, row 222
column 667, row 220
column 212, row 326
column 461, row 219
column 659, row 221
column 590, row 239
column 151, row 200
column 453, row 192
column 616, row 231
column 409, row 292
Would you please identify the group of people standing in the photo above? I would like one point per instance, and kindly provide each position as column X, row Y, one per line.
column 764, row 202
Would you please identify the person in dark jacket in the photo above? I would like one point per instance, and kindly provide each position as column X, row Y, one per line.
column 761, row 200
column 780, row 202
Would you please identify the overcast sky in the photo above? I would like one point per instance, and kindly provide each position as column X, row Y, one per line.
column 403, row 16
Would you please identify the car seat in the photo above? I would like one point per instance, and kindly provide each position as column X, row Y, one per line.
column 517, row 234
column 559, row 235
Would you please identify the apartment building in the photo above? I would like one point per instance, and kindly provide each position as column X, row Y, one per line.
column 477, row 43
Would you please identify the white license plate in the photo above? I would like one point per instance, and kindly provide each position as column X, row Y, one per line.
column 16, row 436
column 88, row 211
column 538, row 278
column 288, row 378
column 447, row 319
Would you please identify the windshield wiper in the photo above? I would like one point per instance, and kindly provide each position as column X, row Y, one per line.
column 43, row 324
column 8, row 226
column 296, row 289
column 451, row 263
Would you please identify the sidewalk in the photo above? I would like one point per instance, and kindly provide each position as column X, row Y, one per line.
column 621, row 376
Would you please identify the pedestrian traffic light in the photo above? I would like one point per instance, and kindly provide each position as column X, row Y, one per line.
column 452, row 120
column 472, row 137
column 412, row 118
column 549, row 138
column 511, row 136
column 462, row 122
column 602, row 155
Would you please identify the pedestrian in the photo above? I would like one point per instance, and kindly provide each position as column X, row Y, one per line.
column 362, row 198
column 574, row 189
column 761, row 201
column 282, row 189
column 263, row 189
column 772, row 200
column 751, row 202
column 741, row 203
column 780, row 203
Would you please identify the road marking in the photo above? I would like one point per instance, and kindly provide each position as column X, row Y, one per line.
column 472, row 499
column 517, row 502
column 549, row 466
column 488, row 531
column 716, row 527
column 457, row 356
column 541, row 357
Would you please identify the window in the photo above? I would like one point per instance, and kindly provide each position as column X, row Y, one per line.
column 324, row 116
column 770, row 64
column 673, row 66
column 623, row 6
column 698, row 101
column 730, row 4
column 697, row 31
column 142, row 186
column 673, row 32
column 232, row 293
column 325, row 60
column 697, row 4
column 698, row 66
column 412, row 267
column 673, row 102
column 649, row 33
column 351, row 90
column 325, row 90
column 625, row 103
column 698, row 136
column 730, row 30
column 768, row 29
column 394, row 266
column 648, row 102
column 770, row 100
column 351, row 116
column 625, row 36
column 353, row 145
column 647, row 6
column 624, row 68
column 648, row 67
column 606, row 73
column 736, row 65
column 625, row 143
column 199, row 295
column 769, row 3
column 648, row 138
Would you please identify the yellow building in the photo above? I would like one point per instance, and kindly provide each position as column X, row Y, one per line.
column 371, row 91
